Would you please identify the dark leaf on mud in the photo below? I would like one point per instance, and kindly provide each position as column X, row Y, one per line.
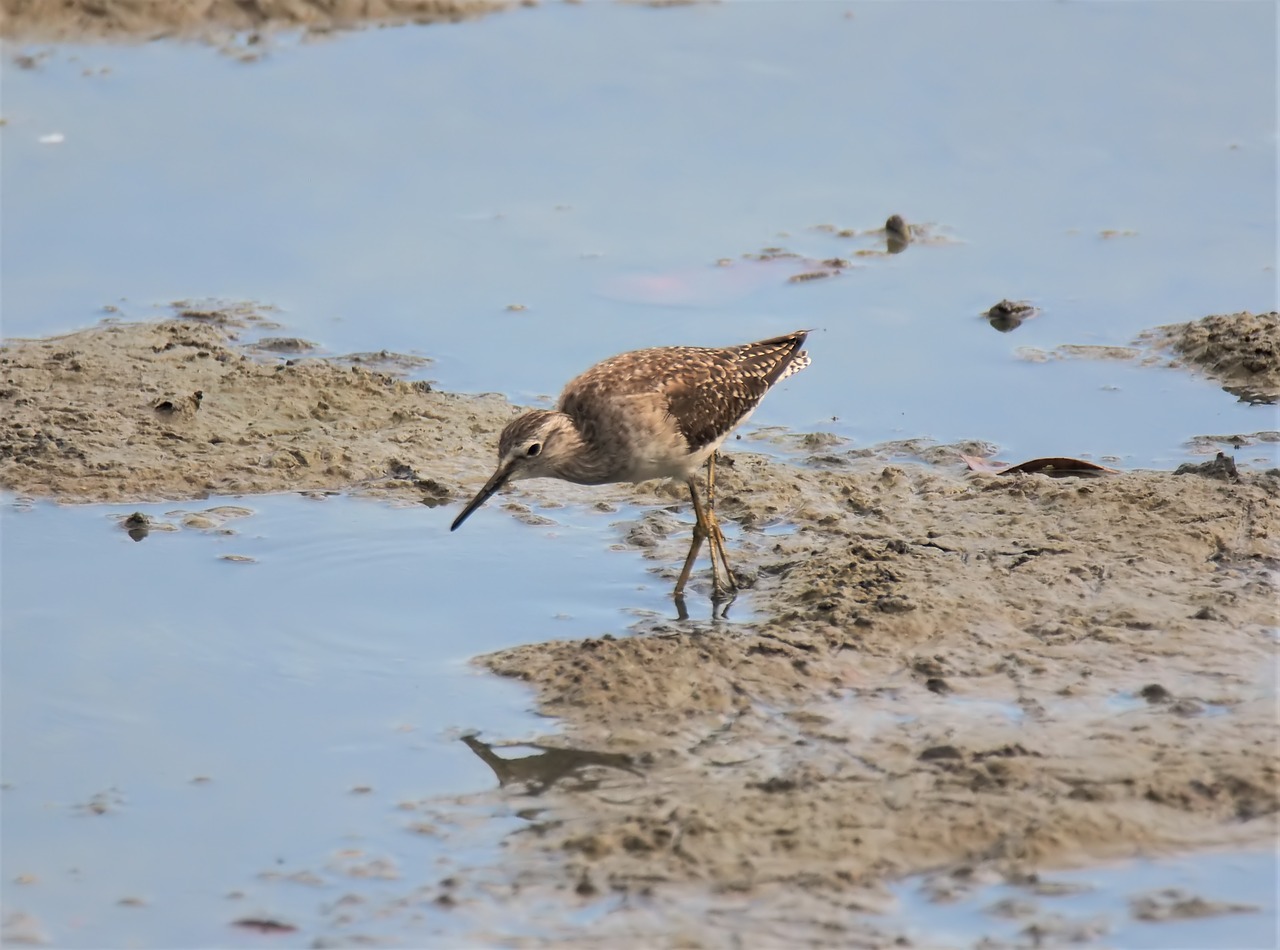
column 1053, row 467
column 1058, row 467
column 265, row 925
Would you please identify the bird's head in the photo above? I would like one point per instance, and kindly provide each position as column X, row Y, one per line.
column 531, row 446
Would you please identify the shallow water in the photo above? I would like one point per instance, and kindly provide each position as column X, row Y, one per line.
column 1095, row 908
column 401, row 188
column 175, row 724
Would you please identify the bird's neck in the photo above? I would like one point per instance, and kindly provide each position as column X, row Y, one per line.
column 575, row 457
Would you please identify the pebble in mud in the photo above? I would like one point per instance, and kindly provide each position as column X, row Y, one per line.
column 940, row 752
column 137, row 525
column 1154, row 693
column 897, row 234
column 1009, row 314
column 172, row 406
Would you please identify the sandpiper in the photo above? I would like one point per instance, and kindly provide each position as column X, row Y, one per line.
column 655, row 413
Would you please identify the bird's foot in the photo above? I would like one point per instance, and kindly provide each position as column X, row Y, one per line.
column 721, row 600
column 715, row 539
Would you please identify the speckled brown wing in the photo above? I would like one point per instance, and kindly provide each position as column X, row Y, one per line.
column 729, row 383
column 707, row 391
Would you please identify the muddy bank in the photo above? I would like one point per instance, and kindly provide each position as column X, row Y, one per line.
column 179, row 410
column 79, row 20
column 213, row 401
column 1242, row 350
column 971, row 674
column 956, row 672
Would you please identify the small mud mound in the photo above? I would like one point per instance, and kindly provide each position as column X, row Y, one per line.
column 178, row 410
column 1240, row 349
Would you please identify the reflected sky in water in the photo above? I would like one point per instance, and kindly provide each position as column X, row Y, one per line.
column 184, row 723
column 401, row 188
column 1104, row 906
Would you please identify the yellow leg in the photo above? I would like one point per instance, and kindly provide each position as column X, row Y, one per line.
column 706, row 527
column 714, row 534
column 699, row 532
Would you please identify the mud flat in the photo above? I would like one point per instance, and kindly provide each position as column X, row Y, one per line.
column 181, row 409
column 987, row 672
column 79, row 20
column 983, row 674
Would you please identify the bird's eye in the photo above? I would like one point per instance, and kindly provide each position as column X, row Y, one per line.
column 534, row 449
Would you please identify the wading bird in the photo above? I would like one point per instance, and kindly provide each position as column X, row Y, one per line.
column 656, row 413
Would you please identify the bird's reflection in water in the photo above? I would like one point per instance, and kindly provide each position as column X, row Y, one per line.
column 720, row 605
column 550, row 765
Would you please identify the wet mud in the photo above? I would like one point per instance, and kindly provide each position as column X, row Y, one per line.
column 1003, row 672
column 180, row 409
column 215, row 20
column 951, row 672
column 1241, row 350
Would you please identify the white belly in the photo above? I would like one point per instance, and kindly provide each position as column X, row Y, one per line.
column 664, row 454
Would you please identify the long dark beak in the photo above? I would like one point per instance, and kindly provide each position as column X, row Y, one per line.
column 498, row 479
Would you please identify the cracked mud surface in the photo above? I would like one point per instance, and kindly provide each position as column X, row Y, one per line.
column 988, row 674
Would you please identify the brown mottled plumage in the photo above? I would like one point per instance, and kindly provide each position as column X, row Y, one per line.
column 657, row 413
